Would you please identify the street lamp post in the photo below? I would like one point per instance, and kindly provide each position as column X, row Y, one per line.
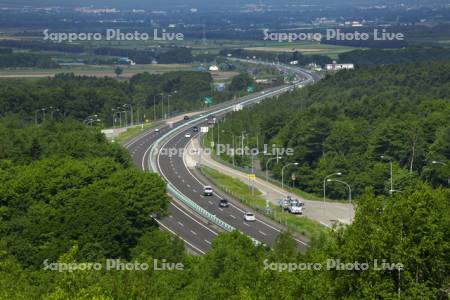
column 52, row 112
column 43, row 113
column 391, row 174
column 435, row 162
column 325, row 185
column 282, row 172
column 168, row 105
column 35, row 116
column 267, row 166
column 325, row 190
column 349, row 193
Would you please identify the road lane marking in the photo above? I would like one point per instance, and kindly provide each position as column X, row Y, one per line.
column 233, row 216
column 181, row 224
column 171, row 231
column 193, row 232
column 262, row 232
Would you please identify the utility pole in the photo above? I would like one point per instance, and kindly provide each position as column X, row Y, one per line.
column 154, row 108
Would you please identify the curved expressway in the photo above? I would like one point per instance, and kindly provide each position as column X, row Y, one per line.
column 194, row 229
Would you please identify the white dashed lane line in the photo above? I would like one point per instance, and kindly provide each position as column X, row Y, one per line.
column 263, row 233
column 181, row 224
column 193, row 232
column 233, row 216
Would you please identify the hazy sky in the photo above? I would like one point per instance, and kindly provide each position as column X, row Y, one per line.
column 148, row 4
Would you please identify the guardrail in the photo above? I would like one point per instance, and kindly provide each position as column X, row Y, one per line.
column 198, row 209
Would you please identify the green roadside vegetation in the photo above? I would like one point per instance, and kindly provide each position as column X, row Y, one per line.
column 133, row 132
column 206, row 143
column 242, row 192
column 354, row 122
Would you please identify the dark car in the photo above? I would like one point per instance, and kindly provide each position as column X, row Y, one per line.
column 224, row 203
column 195, row 129
column 186, row 118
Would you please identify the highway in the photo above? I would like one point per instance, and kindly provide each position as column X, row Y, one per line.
column 193, row 229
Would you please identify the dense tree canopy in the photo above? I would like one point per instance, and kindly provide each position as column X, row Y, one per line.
column 64, row 185
column 348, row 121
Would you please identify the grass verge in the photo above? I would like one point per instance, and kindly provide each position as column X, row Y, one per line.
column 132, row 132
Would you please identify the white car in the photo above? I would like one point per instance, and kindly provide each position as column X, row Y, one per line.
column 295, row 209
column 156, row 129
column 207, row 191
column 249, row 217
column 187, row 135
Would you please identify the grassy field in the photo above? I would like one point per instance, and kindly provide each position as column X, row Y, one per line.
column 242, row 192
column 88, row 70
column 306, row 48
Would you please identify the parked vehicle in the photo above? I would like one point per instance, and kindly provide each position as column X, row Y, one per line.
column 294, row 206
column 284, row 204
column 186, row 118
column 195, row 129
column 295, row 209
column 207, row 191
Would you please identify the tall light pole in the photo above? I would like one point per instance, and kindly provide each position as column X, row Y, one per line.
column 114, row 117
column 435, row 162
column 162, row 105
column 325, row 191
column 53, row 111
column 130, row 107
column 267, row 166
column 391, row 172
column 349, row 193
column 36, row 115
column 43, row 113
column 154, row 108
column 282, row 172
column 168, row 105
column 325, row 185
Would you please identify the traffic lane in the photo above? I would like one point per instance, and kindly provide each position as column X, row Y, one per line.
column 182, row 172
column 174, row 169
column 189, row 228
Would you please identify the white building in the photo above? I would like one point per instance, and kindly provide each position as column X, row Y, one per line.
column 214, row 68
column 336, row 67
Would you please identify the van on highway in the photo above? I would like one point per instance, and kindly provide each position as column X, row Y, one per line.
column 207, row 191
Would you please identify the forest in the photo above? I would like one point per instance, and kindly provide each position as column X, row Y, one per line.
column 78, row 97
column 348, row 121
column 70, row 196
column 26, row 60
column 376, row 57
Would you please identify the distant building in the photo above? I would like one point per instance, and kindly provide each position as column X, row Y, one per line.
column 214, row 68
column 126, row 61
column 336, row 67
column 314, row 67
